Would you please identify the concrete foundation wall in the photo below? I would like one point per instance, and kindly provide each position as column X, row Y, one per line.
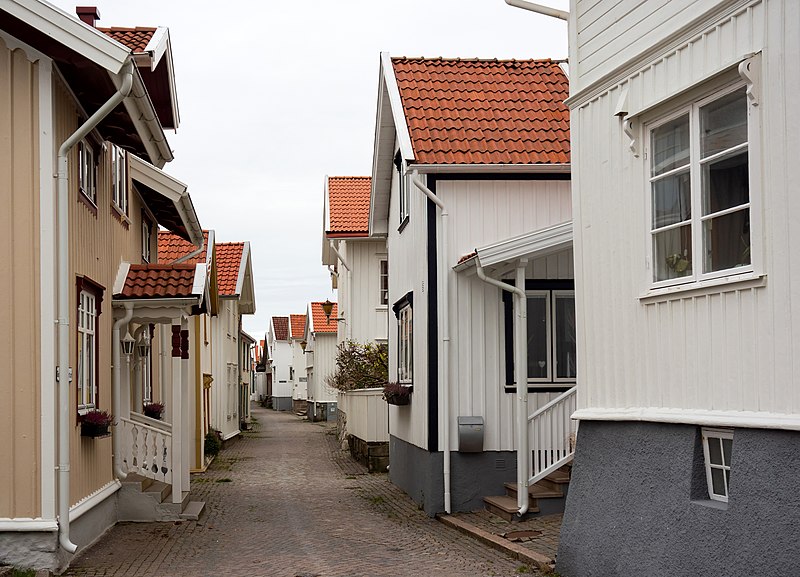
column 638, row 504
column 322, row 411
column 472, row 475
column 282, row 403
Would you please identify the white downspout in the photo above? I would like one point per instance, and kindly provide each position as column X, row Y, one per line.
column 63, row 375
column 192, row 254
column 349, row 319
column 521, row 370
column 445, row 338
column 533, row 7
column 116, row 384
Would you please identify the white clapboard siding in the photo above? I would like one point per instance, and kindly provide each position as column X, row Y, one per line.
column 281, row 362
column 366, row 315
column 721, row 349
column 324, row 366
column 367, row 414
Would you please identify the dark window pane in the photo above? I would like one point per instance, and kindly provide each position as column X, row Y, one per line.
column 565, row 337
column 537, row 337
column 723, row 123
column 726, row 240
column 725, row 183
column 672, row 253
column 718, row 482
column 670, row 144
column 672, row 200
column 727, row 445
column 714, row 450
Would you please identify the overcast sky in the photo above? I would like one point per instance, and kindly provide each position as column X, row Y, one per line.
column 275, row 95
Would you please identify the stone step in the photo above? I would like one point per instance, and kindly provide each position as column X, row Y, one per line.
column 193, row 510
column 506, row 507
column 535, row 491
column 159, row 490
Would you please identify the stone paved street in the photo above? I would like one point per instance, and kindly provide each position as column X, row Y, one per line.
column 284, row 500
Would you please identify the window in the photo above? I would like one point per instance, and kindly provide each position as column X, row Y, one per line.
column 717, row 447
column 550, row 332
column 146, row 235
column 405, row 339
column 699, row 190
column 87, row 351
column 402, row 188
column 119, row 179
column 384, row 282
column 87, row 171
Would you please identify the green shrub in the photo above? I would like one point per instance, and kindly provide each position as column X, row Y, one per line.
column 213, row 443
column 360, row 366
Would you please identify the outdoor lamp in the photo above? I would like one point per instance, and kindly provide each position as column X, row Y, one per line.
column 128, row 344
column 327, row 308
column 143, row 347
column 303, row 345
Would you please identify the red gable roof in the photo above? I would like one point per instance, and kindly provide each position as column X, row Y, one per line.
column 320, row 323
column 229, row 261
column 136, row 39
column 298, row 326
column 485, row 111
column 281, row 326
column 159, row 281
column 348, row 205
column 172, row 247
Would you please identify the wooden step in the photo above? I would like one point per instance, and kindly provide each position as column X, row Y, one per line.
column 535, row 491
column 505, row 506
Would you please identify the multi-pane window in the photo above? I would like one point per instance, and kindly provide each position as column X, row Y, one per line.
column 402, row 187
column 405, row 346
column 717, row 448
column 551, row 336
column 146, row 235
column 119, row 179
column 87, row 171
column 699, row 190
column 87, row 352
column 384, row 282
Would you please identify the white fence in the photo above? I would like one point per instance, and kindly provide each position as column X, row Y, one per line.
column 551, row 436
column 146, row 447
column 367, row 414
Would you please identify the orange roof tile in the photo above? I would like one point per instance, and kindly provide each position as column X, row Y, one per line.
column 298, row 326
column 485, row 111
column 171, row 247
column 136, row 39
column 348, row 205
column 281, row 326
column 320, row 323
column 159, row 281
column 229, row 261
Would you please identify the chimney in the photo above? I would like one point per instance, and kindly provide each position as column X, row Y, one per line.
column 88, row 14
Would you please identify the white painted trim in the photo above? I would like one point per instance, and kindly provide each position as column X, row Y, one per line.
column 70, row 32
column 122, row 275
column 13, row 44
column 157, row 46
column 492, row 168
column 25, row 524
column 552, row 239
column 242, row 268
column 47, row 288
column 400, row 125
column 199, row 285
column 746, row 419
column 91, row 501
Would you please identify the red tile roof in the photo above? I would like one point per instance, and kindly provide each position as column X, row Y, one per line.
column 229, row 261
column 348, row 205
column 320, row 323
column 171, row 247
column 134, row 38
column 485, row 111
column 281, row 326
column 159, row 281
column 298, row 326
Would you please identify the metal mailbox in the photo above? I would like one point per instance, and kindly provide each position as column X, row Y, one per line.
column 470, row 434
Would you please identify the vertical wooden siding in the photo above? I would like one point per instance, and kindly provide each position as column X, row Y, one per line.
column 20, row 476
column 367, row 315
column 726, row 349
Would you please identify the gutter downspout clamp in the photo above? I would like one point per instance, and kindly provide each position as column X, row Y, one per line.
column 64, row 372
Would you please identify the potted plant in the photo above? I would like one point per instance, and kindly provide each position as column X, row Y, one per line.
column 96, row 423
column 396, row 394
column 153, row 410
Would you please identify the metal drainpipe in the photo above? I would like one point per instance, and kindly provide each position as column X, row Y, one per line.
column 348, row 320
column 445, row 338
column 521, row 369
column 116, row 385
column 192, row 254
column 533, row 7
column 63, row 373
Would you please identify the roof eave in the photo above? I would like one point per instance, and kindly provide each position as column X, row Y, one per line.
column 564, row 168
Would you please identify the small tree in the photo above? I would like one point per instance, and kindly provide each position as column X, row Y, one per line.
column 360, row 366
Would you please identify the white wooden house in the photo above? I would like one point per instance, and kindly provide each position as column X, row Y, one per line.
column 320, row 353
column 280, row 358
column 299, row 379
column 685, row 165
column 471, row 190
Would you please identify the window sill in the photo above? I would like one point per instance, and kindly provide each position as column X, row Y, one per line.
column 118, row 213
column 382, row 308
column 736, row 282
column 87, row 202
column 403, row 224
column 711, row 504
column 543, row 388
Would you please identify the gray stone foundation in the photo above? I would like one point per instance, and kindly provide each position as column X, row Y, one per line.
column 282, row 403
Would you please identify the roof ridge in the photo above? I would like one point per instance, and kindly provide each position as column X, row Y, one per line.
column 478, row 59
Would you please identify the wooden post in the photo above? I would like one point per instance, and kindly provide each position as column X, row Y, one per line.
column 184, row 431
column 177, row 413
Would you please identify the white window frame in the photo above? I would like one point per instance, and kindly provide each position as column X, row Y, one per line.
column 405, row 345
column 691, row 104
column 87, row 352
column 550, row 296
column 716, row 434
column 87, row 171
column 119, row 179
column 402, row 190
column 147, row 364
column 383, row 282
column 147, row 232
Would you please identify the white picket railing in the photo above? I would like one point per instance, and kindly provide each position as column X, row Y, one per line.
column 146, row 449
column 551, row 436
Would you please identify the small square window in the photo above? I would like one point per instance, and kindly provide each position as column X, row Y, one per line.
column 717, row 449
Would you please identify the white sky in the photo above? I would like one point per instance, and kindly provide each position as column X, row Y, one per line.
column 275, row 95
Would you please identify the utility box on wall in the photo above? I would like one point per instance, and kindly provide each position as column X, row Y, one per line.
column 470, row 434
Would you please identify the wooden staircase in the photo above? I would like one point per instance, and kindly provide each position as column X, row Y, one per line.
column 144, row 499
column 547, row 496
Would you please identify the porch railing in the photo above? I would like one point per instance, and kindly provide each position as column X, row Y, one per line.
column 146, row 447
column 551, row 436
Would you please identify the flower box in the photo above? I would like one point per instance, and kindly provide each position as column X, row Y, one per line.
column 95, row 424
column 397, row 394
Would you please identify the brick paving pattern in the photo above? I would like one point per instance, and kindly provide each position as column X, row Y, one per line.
column 285, row 500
